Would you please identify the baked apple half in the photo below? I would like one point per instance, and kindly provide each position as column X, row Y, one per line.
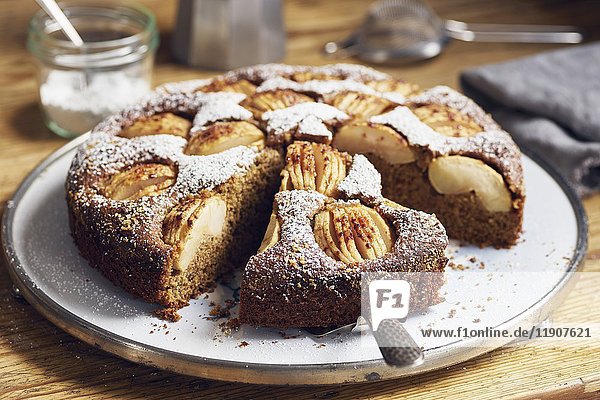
column 352, row 233
column 222, row 136
column 163, row 123
column 313, row 166
column 140, row 180
column 376, row 139
column 192, row 222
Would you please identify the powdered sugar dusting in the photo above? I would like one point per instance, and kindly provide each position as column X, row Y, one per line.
column 295, row 206
column 327, row 87
column 363, row 180
column 451, row 98
column 304, row 120
column 212, row 111
column 197, row 173
column 105, row 154
column 268, row 71
column 426, row 240
column 417, row 132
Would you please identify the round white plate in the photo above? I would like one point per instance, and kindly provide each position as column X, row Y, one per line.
column 46, row 267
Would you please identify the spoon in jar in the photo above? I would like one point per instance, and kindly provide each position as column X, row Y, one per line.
column 397, row 31
column 56, row 13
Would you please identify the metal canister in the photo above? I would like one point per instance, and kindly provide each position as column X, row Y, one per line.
column 226, row 34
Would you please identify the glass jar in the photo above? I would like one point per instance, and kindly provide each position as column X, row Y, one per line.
column 80, row 86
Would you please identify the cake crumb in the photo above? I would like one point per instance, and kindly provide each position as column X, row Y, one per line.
column 243, row 344
column 286, row 336
column 219, row 311
column 230, row 326
column 167, row 314
column 456, row 267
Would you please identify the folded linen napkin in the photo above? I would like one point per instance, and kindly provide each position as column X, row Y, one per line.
column 550, row 103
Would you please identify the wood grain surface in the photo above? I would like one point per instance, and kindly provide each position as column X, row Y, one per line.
column 38, row 360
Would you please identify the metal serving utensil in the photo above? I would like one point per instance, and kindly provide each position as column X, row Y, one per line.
column 56, row 13
column 400, row 31
column 397, row 347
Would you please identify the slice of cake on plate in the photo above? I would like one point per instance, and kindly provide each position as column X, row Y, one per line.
column 329, row 225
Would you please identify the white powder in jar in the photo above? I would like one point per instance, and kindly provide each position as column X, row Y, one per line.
column 77, row 106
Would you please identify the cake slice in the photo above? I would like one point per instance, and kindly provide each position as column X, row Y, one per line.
column 329, row 225
column 162, row 204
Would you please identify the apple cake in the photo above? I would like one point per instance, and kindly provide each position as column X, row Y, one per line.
column 342, row 165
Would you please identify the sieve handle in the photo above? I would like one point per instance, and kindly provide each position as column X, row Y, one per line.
column 342, row 49
column 513, row 33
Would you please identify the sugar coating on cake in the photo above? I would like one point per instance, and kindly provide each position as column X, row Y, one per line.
column 304, row 119
column 327, row 87
column 363, row 181
column 219, row 106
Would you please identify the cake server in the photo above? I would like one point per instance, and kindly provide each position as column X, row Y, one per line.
column 397, row 31
column 397, row 347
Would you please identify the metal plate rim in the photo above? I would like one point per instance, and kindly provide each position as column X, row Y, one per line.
column 233, row 371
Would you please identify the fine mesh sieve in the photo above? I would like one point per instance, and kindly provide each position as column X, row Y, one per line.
column 409, row 30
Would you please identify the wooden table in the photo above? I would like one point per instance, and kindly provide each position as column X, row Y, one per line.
column 38, row 360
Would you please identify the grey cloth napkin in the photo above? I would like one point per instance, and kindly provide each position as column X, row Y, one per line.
column 550, row 103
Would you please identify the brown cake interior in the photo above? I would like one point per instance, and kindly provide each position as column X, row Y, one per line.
column 463, row 215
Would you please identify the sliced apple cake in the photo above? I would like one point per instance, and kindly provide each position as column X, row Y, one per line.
column 170, row 193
